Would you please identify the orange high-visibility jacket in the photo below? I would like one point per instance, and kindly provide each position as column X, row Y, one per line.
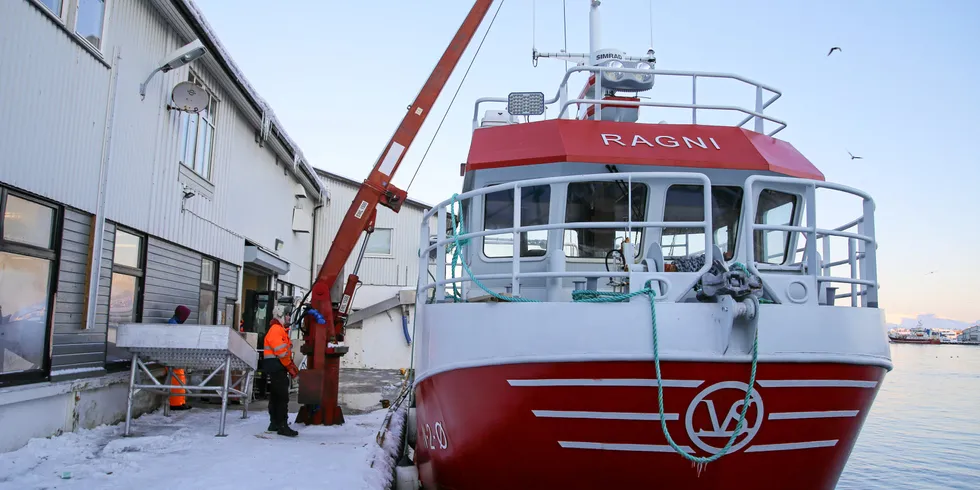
column 277, row 344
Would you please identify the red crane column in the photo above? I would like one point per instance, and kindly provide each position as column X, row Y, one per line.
column 319, row 383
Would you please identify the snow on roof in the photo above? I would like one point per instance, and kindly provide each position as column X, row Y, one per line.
column 201, row 24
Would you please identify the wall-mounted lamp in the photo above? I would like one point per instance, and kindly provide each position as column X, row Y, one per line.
column 279, row 244
column 177, row 59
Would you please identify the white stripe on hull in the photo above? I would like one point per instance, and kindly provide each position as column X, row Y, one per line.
column 815, row 383
column 563, row 414
column 812, row 415
column 790, row 446
column 644, row 448
column 667, row 383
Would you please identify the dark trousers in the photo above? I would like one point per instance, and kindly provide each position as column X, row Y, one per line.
column 278, row 397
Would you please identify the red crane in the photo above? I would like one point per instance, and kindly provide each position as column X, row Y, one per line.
column 318, row 384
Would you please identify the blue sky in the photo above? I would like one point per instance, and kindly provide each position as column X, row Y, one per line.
column 903, row 93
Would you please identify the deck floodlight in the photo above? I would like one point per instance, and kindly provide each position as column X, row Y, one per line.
column 525, row 103
column 627, row 82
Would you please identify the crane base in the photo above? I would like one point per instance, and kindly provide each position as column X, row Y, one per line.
column 312, row 415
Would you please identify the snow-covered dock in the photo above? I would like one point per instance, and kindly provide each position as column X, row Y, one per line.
column 181, row 451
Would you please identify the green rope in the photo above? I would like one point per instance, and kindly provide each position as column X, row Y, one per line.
column 592, row 296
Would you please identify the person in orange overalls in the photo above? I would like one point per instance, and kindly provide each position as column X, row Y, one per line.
column 177, row 399
column 277, row 363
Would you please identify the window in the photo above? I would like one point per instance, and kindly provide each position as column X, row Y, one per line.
column 379, row 242
column 53, row 5
column 603, row 202
column 686, row 203
column 208, row 306
column 775, row 208
column 499, row 213
column 27, row 264
column 125, row 290
column 89, row 20
column 197, row 136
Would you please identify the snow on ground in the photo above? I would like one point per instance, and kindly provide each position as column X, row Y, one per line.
column 181, row 451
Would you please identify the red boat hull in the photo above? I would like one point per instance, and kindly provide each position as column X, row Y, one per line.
column 591, row 425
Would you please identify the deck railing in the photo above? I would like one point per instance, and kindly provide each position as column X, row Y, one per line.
column 756, row 113
column 861, row 255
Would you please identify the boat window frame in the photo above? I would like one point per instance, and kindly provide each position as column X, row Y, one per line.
column 639, row 250
column 483, row 224
column 739, row 224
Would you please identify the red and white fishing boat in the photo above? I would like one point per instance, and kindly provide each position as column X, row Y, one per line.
column 770, row 345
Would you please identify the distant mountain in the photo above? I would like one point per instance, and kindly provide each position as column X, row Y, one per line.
column 932, row 322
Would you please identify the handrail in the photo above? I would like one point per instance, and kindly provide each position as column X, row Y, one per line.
column 516, row 274
column 671, row 105
column 757, row 113
column 862, row 246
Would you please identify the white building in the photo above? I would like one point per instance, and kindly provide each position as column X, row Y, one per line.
column 970, row 334
column 175, row 207
column 379, row 331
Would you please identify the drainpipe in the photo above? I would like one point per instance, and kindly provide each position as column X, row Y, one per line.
column 313, row 271
column 98, row 231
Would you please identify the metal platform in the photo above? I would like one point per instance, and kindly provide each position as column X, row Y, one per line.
column 205, row 347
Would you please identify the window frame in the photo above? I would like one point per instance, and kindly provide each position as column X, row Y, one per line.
column 140, row 274
column 391, row 245
column 213, row 287
column 53, row 256
column 738, row 223
column 638, row 247
column 74, row 22
column 183, row 123
column 483, row 225
column 790, row 238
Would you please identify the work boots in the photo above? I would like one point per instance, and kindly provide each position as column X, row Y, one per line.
column 285, row 430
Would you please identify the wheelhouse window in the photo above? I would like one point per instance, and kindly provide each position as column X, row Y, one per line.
column 197, row 136
column 208, row 305
column 125, row 290
column 499, row 213
column 774, row 208
column 27, row 264
column 53, row 5
column 90, row 20
column 603, row 202
column 685, row 202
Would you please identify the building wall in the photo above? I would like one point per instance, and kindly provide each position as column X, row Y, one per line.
column 398, row 269
column 72, row 347
column 71, row 112
column 48, row 155
column 377, row 342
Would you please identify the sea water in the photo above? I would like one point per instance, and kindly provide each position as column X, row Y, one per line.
column 923, row 431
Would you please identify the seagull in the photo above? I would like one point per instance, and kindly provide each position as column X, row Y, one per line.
column 855, row 157
column 930, row 273
column 835, row 48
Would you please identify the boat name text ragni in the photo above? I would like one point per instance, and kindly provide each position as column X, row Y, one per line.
column 662, row 141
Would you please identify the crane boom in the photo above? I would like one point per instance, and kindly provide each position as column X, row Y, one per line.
column 319, row 383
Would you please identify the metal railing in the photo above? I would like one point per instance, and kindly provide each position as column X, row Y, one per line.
column 861, row 253
column 757, row 113
column 558, row 270
column 675, row 285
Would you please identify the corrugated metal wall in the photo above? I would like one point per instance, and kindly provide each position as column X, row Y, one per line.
column 227, row 287
column 173, row 278
column 52, row 120
column 401, row 269
column 56, row 135
column 73, row 347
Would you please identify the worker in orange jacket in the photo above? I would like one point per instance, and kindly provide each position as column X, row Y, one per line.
column 177, row 399
column 277, row 362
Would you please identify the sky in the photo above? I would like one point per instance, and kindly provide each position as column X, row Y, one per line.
column 902, row 93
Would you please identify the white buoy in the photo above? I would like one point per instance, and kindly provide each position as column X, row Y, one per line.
column 407, row 478
column 411, row 427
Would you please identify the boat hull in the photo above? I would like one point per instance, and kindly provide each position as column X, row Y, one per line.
column 914, row 341
column 571, row 425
